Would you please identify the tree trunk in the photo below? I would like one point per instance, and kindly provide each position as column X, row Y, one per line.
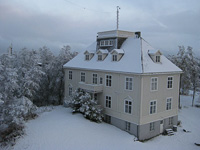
column 193, row 96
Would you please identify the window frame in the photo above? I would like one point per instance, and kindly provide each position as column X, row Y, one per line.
column 128, row 107
column 129, row 84
column 153, row 108
column 170, row 82
column 155, row 83
column 87, row 57
column 127, row 126
column 169, row 104
column 108, row 82
column 108, row 101
column 100, row 57
column 157, row 58
column 70, row 75
column 81, row 77
column 170, row 121
column 70, row 90
column 152, row 126
column 106, row 43
column 101, row 80
column 114, row 57
column 95, row 80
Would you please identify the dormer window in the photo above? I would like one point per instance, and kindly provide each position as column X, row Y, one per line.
column 117, row 54
column 87, row 57
column 157, row 58
column 114, row 57
column 106, row 43
column 155, row 55
column 100, row 57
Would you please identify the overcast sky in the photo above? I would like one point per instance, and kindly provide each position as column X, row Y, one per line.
column 165, row 24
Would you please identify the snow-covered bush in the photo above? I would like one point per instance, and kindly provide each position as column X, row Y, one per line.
column 13, row 113
column 82, row 102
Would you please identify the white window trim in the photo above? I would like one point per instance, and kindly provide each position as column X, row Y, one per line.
column 104, row 43
column 100, row 80
column 110, row 103
column 131, row 106
column 70, row 86
column 150, row 107
column 113, row 57
column 128, row 126
column 172, row 81
column 125, row 83
column 151, row 84
column 80, row 76
column 101, row 57
column 157, row 57
column 86, row 57
column 106, row 80
column 68, row 74
column 150, row 129
column 171, row 120
column 92, row 78
column 171, row 103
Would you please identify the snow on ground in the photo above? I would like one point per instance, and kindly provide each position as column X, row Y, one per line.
column 59, row 129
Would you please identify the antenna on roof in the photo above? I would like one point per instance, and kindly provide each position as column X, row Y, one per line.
column 118, row 17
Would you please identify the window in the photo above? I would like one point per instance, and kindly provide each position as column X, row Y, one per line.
column 70, row 75
column 95, row 96
column 154, row 84
column 152, row 126
column 152, row 107
column 111, row 42
column 129, row 83
column 101, row 43
column 169, row 82
column 108, row 119
column 94, row 79
column 82, row 76
column 100, row 57
column 87, row 57
column 114, row 57
column 108, row 80
column 100, row 80
column 128, row 106
column 106, row 43
column 170, row 120
column 128, row 126
column 157, row 58
column 169, row 103
column 108, row 101
column 70, row 91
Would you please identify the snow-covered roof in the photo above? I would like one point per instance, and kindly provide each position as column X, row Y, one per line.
column 119, row 51
column 103, row 51
column 91, row 48
column 135, row 60
column 153, row 52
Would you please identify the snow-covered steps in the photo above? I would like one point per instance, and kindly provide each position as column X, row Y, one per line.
column 169, row 132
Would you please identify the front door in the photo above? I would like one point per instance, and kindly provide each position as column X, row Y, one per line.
column 161, row 126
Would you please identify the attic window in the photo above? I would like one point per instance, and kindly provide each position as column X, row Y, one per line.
column 157, row 58
column 114, row 57
column 106, row 43
column 87, row 57
column 100, row 57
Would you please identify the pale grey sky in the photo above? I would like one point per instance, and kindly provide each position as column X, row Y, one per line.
column 165, row 24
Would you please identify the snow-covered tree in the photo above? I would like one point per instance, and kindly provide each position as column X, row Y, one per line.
column 187, row 61
column 82, row 102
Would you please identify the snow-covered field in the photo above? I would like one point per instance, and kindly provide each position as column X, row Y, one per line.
column 60, row 130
